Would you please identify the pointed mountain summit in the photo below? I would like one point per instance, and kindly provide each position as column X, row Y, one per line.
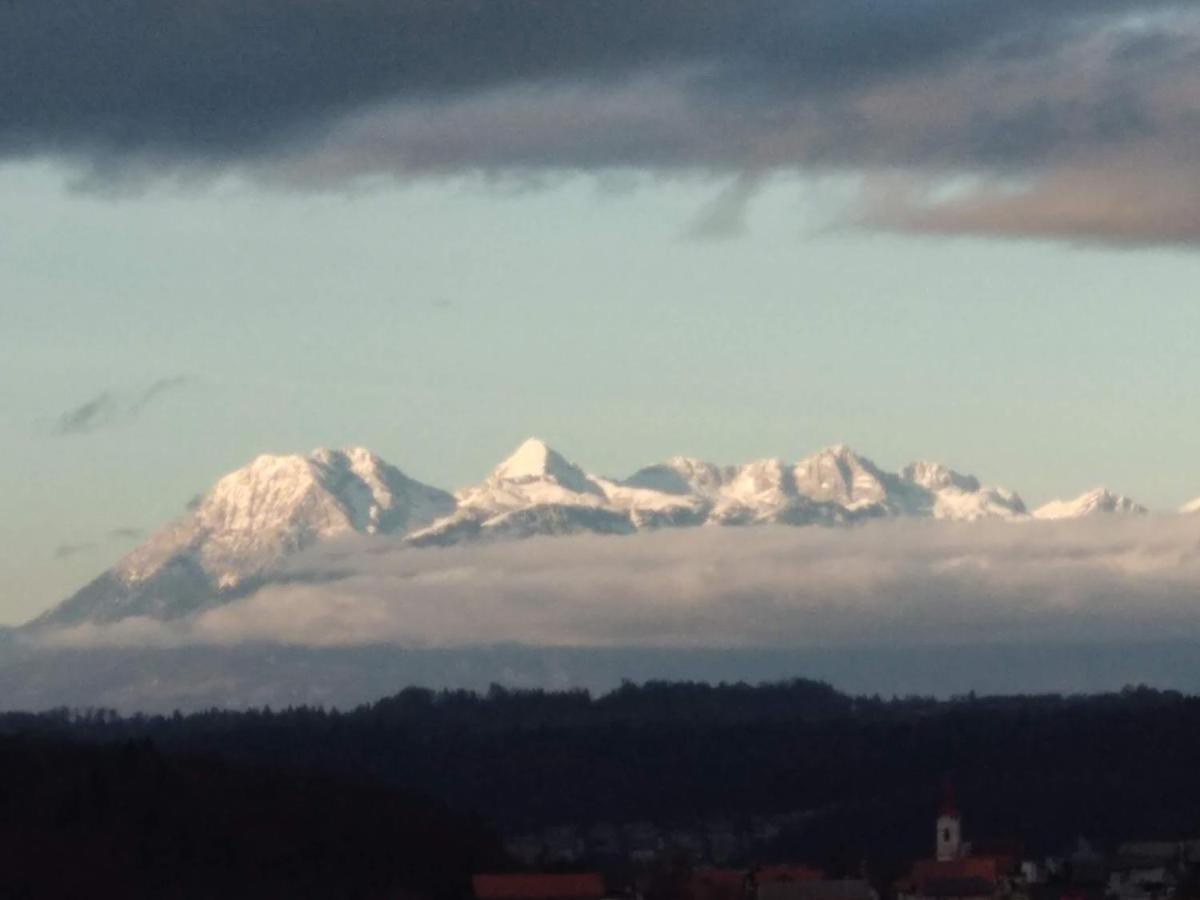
column 248, row 524
column 534, row 474
column 536, row 490
column 1098, row 501
column 534, row 461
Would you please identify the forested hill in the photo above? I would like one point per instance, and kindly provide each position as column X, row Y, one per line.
column 1040, row 769
column 124, row 819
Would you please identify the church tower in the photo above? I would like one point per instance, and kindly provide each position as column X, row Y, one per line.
column 949, row 827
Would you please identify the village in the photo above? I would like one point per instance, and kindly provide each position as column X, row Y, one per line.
column 640, row 861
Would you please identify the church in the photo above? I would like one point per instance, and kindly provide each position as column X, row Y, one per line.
column 955, row 872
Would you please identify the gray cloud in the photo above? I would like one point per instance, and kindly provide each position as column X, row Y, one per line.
column 316, row 93
column 889, row 584
column 126, row 534
column 108, row 408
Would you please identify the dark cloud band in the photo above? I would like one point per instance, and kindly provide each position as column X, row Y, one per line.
column 316, row 91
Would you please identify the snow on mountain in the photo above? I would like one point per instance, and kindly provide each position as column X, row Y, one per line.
column 1099, row 501
column 250, row 522
column 936, row 477
column 534, row 475
column 1192, row 506
column 538, row 491
column 765, row 492
column 958, row 497
column 682, row 475
column 835, row 485
column 839, row 475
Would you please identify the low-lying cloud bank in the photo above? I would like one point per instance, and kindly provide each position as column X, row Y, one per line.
column 884, row 584
column 1074, row 118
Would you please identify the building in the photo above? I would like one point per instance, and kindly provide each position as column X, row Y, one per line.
column 539, row 886
column 955, row 872
column 1146, row 870
column 817, row 889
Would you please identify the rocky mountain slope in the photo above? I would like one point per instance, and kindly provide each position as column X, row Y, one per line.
column 246, row 525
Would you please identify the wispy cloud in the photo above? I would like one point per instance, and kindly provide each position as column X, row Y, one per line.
column 1083, row 101
column 109, row 408
column 887, row 584
column 725, row 216
column 66, row 551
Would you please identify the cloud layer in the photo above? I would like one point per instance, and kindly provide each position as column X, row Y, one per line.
column 885, row 584
column 1075, row 119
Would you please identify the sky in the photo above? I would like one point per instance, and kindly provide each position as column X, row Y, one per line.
column 945, row 229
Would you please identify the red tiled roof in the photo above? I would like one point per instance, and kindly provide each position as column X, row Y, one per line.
column 948, row 888
column 788, row 873
column 988, row 868
column 718, row 884
column 720, row 876
column 538, row 886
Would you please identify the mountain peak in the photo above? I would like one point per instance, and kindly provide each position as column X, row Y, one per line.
column 835, row 451
column 837, row 474
column 536, row 461
column 936, row 476
column 533, row 459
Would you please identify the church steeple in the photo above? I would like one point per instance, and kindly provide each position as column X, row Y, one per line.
column 949, row 826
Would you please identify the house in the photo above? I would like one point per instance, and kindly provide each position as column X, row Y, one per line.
column 1081, row 865
column 817, row 889
column 1146, row 870
column 783, row 873
column 721, row 884
column 775, row 882
column 539, row 886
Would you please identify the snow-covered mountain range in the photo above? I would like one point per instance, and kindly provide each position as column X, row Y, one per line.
column 237, row 535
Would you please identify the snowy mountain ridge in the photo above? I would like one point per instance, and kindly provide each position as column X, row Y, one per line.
column 1096, row 501
column 251, row 521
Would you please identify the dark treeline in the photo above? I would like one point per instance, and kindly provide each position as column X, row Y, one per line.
column 1039, row 769
column 124, row 819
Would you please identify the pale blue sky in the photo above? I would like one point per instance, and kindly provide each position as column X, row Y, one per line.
column 439, row 322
